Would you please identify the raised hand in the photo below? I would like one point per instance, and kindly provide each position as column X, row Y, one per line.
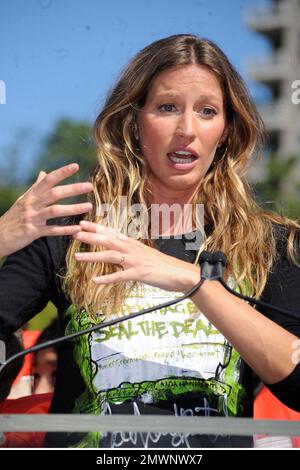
column 139, row 261
column 26, row 220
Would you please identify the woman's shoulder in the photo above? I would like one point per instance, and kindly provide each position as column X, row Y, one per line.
column 283, row 233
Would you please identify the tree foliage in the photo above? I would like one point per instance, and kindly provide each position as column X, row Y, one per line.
column 280, row 191
column 69, row 142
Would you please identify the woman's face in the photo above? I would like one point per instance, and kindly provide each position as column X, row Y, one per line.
column 181, row 125
column 44, row 371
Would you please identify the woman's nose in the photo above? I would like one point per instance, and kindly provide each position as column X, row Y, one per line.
column 185, row 126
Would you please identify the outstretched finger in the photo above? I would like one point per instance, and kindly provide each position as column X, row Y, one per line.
column 61, row 210
column 108, row 256
column 93, row 227
column 63, row 192
column 40, row 177
column 58, row 230
column 55, row 177
column 120, row 276
column 98, row 239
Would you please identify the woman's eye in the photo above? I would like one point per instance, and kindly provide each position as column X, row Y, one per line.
column 170, row 108
column 208, row 112
column 167, row 107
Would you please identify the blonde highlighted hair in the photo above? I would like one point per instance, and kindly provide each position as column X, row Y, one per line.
column 241, row 229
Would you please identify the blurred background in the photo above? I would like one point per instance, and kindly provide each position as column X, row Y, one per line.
column 59, row 58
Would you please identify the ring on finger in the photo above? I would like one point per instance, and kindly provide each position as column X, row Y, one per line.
column 122, row 260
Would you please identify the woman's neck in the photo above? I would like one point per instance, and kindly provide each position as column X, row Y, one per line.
column 171, row 211
column 164, row 195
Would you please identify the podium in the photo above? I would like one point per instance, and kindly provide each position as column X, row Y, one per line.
column 130, row 429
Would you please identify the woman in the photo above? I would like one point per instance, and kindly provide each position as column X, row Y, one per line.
column 178, row 128
column 45, row 361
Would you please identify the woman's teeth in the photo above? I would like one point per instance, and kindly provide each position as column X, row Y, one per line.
column 177, row 159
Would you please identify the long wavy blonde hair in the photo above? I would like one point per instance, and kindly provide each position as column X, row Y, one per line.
column 241, row 229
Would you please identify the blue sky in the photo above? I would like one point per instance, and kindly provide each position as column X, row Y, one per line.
column 60, row 57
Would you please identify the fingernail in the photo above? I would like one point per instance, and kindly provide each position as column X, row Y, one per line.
column 73, row 166
column 78, row 255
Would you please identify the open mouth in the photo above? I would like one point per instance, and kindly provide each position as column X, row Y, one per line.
column 187, row 159
column 181, row 159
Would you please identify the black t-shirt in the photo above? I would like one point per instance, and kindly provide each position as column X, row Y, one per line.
column 165, row 363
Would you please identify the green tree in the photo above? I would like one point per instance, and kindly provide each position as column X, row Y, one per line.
column 280, row 191
column 8, row 195
column 12, row 171
column 70, row 141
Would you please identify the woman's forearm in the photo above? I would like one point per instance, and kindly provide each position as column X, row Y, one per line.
column 264, row 345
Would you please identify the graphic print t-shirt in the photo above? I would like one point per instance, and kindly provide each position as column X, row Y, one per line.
column 171, row 361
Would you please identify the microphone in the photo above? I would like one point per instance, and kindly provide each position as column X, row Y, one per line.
column 219, row 260
column 212, row 265
column 219, row 257
column 205, row 261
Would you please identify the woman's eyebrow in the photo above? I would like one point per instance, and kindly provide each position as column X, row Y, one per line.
column 202, row 96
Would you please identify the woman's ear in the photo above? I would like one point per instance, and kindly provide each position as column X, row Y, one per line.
column 224, row 137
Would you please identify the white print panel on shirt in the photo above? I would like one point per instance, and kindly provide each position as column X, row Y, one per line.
column 175, row 341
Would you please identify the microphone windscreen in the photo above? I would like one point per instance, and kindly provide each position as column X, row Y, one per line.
column 205, row 256
column 219, row 257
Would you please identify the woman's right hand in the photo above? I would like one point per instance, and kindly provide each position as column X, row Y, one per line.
column 26, row 220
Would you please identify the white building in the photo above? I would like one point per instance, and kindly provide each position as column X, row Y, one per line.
column 279, row 22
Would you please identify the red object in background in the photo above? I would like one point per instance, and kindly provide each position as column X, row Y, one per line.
column 29, row 337
column 267, row 406
column 33, row 404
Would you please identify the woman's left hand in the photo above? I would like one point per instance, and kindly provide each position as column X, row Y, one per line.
column 139, row 262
